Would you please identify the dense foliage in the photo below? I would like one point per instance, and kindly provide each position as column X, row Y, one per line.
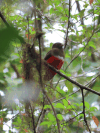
column 73, row 107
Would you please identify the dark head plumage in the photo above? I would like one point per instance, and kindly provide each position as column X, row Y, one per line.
column 57, row 45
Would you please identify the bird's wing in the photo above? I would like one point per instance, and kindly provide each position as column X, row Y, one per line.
column 48, row 55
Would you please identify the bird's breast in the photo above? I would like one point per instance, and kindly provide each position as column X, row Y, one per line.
column 56, row 61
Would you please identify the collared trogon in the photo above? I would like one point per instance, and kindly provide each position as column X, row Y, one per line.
column 55, row 57
column 31, row 67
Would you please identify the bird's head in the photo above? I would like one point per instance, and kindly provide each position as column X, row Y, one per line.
column 58, row 45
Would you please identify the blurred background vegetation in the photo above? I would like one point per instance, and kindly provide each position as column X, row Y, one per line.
column 77, row 24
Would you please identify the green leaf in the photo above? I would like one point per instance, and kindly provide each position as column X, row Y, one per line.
column 17, row 127
column 62, row 71
column 46, row 123
column 84, row 43
column 60, row 90
column 65, row 103
column 51, row 117
column 71, row 107
column 10, row 131
column 69, row 85
column 93, row 109
column 87, row 105
column 82, row 13
column 7, row 35
column 92, row 44
column 59, row 8
column 67, row 55
column 51, row 10
column 59, row 105
column 98, row 34
column 81, row 104
column 33, row 32
column 47, row 106
column 15, row 123
column 64, row 18
column 81, row 115
column 19, row 120
column 59, row 116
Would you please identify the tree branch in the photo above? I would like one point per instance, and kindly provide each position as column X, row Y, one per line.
column 33, row 121
column 4, row 20
column 84, row 111
column 78, row 54
column 78, row 7
column 73, row 117
column 6, row 23
column 15, row 69
column 53, row 110
column 72, row 81
column 66, row 38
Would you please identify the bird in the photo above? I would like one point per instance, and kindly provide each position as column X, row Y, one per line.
column 31, row 66
column 55, row 57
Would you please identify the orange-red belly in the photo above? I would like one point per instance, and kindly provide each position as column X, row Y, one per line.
column 55, row 62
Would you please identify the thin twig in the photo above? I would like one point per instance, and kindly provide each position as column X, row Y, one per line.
column 88, row 84
column 33, row 121
column 84, row 111
column 92, row 80
column 77, row 54
column 81, row 50
column 78, row 76
column 65, row 97
column 73, row 117
column 79, row 10
column 15, row 69
column 28, row 28
column 53, row 110
column 40, row 119
column 4, row 20
column 66, row 38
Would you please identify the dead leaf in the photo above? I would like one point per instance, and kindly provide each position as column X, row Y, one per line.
column 91, row 1
column 25, row 130
column 45, row 1
column 80, row 124
column 21, row 61
column 23, row 114
column 29, row 36
column 23, row 77
column 1, row 121
column 95, row 120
